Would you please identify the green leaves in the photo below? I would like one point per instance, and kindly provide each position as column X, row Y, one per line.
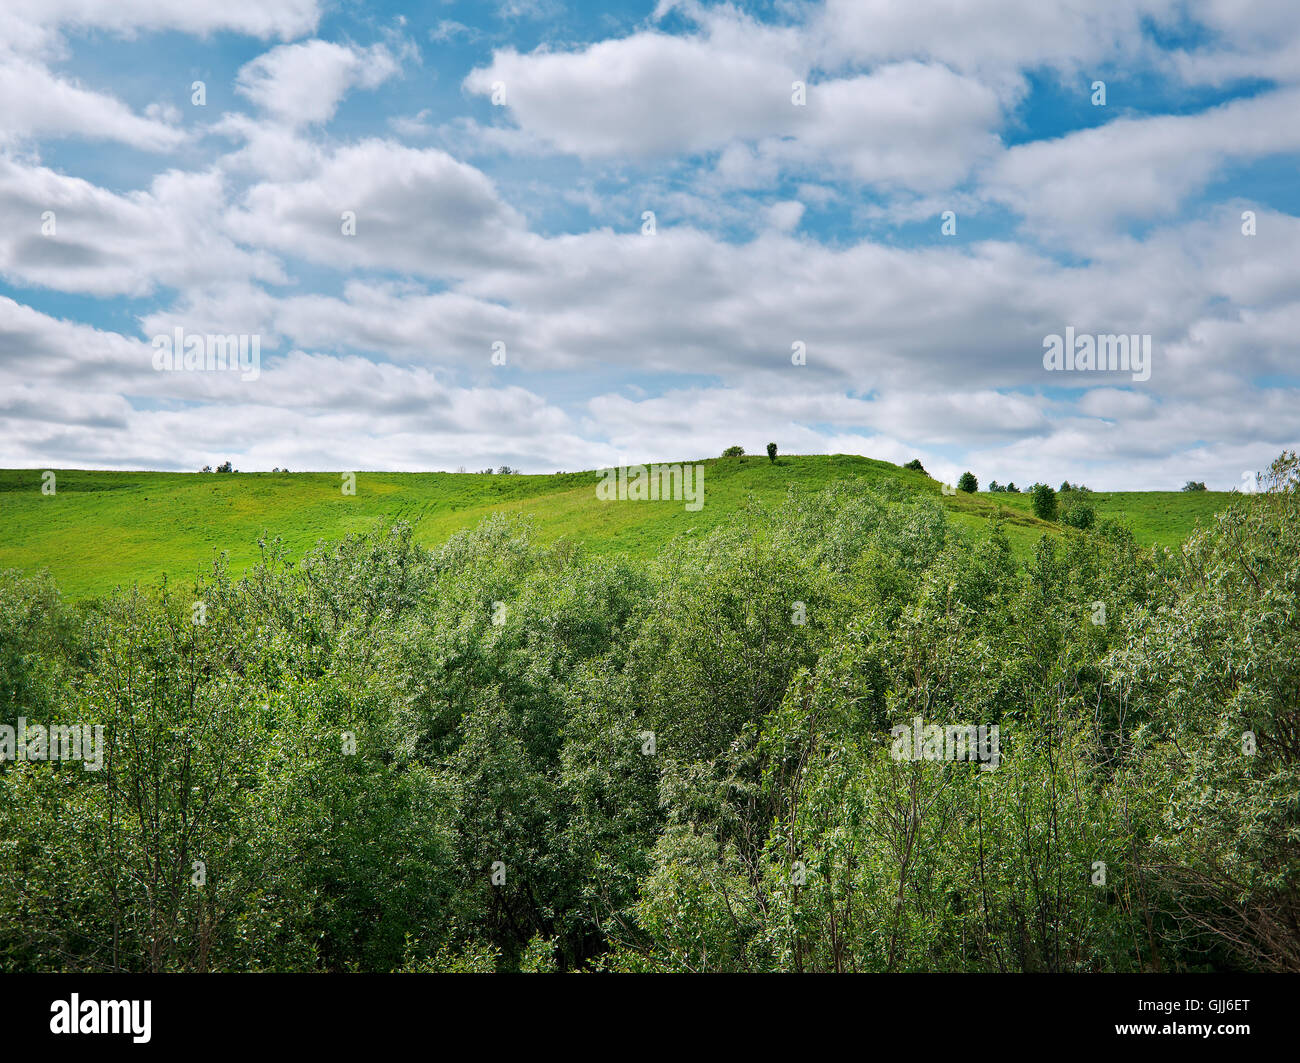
column 498, row 756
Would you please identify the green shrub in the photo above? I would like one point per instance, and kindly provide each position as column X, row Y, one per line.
column 1078, row 510
column 1044, row 502
column 502, row 756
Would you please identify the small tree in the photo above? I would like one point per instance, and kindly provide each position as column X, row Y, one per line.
column 1012, row 489
column 733, row 452
column 915, row 465
column 1044, row 502
column 1077, row 509
column 1194, row 485
column 225, row 466
column 995, row 487
column 968, row 483
column 771, row 452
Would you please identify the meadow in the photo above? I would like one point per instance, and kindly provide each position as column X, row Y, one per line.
column 103, row 530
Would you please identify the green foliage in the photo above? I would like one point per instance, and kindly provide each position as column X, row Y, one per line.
column 968, row 483
column 915, row 465
column 771, row 452
column 1044, row 502
column 508, row 754
column 1077, row 508
column 1213, row 678
column 733, row 452
column 109, row 530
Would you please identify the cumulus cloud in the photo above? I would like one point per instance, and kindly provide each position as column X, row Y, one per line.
column 39, row 104
column 1138, row 168
column 1260, row 39
column 257, row 18
column 304, row 82
column 420, row 211
column 780, row 225
column 68, row 234
column 738, row 82
column 996, row 39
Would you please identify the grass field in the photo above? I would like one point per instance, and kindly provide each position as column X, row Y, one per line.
column 100, row 530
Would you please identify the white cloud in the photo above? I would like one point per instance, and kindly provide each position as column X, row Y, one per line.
column 995, row 39
column 656, row 94
column 1138, row 168
column 652, row 93
column 37, row 104
column 40, row 104
column 1260, row 39
column 416, row 211
column 785, row 215
column 108, row 244
column 914, row 349
column 257, row 18
column 303, row 83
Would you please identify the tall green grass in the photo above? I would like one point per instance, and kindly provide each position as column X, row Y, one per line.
column 100, row 530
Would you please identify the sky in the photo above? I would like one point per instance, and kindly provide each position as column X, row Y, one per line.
column 565, row 236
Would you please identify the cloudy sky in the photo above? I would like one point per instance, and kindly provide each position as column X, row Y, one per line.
column 500, row 159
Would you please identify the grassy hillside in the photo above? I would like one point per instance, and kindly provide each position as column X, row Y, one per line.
column 103, row 529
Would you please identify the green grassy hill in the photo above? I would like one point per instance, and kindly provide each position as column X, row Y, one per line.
column 106, row 529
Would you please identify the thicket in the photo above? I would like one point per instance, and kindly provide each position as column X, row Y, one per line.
column 501, row 756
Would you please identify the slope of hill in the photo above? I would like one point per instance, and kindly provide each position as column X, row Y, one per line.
column 105, row 529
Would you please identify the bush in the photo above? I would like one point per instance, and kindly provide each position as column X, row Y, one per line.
column 968, row 483
column 1077, row 509
column 733, row 452
column 354, row 737
column 1194, row 485
column 771, row 452
column 915, row 465
column 1044, row 501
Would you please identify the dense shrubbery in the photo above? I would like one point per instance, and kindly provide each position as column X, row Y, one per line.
column 679, row 767
column 1077, row 508
column 1043, row 499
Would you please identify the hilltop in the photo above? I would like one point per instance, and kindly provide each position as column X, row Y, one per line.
column 105, row 529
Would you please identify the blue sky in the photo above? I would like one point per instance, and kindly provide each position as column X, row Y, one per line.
column 127, row 211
